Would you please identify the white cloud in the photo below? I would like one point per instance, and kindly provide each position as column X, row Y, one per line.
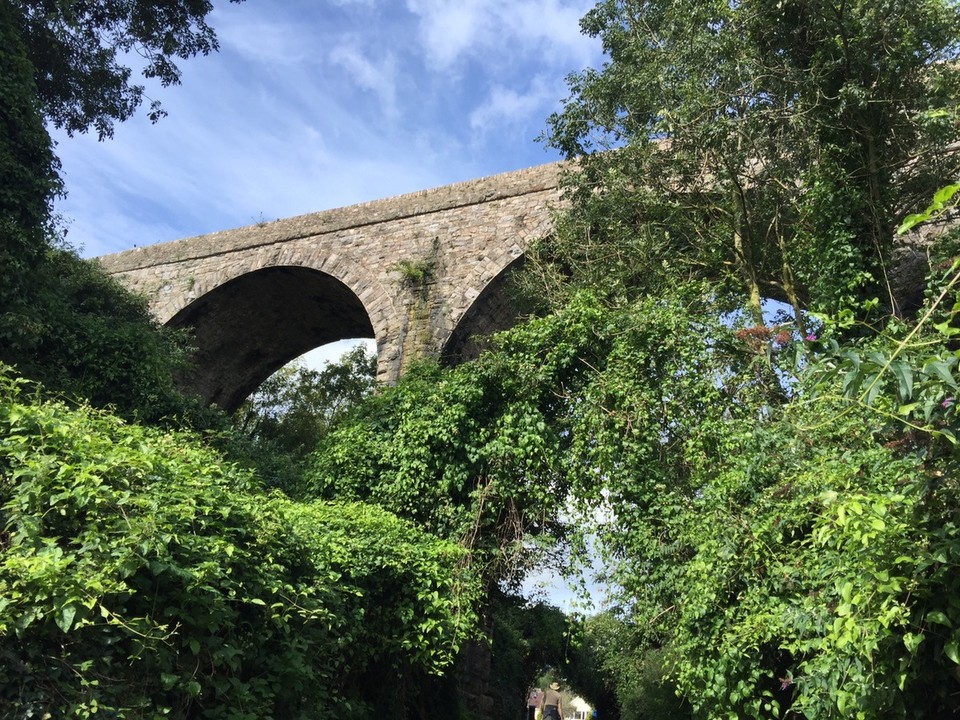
column 379, row 78
column 555, row 27
column 259, row 39
column 506, row 106
column 451, row 29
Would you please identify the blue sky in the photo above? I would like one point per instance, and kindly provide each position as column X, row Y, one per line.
column 313, row 104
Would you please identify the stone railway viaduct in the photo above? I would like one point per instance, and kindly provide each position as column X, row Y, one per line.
column 421, row 273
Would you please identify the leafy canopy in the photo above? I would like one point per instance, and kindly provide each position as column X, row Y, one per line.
column 63, row 322
column 82, row 51
column 768, row 146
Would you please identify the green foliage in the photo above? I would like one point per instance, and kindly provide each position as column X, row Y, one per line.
column 28, row 174
column 943, row 200
column 83, row 335
column 27, row 165
column 296, row 407
column 525, row 640
column 471, row 452
column 599, row 666
column 62, row 321
column 768, row 146
column 492, row 451
column 143, row 576
column 624, row 679
column 416, row 273
column 788, row 554
column 811, row 562
column 778, row 551
column 905, row 374
column 778, row 513
column 613, row 407
column 775, row 511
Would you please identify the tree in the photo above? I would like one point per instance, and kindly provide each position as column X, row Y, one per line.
column 294, row 409
column 79, row 52
column 782, row 539
column 777, row 547
column 769, row 146
column 86, row 336
column 297, row 405
column 28, row 177
column 63, row 64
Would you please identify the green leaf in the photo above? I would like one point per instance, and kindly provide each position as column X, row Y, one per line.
column 950, row 650
column 907, row 409
column 65, row 617
column 938, row 617
column 904, row 375
column 946, row 329
column 911, row 221
column 945, row 194
column 942, row 370
column 852, row 380
column 912, row 641
column 873, row 384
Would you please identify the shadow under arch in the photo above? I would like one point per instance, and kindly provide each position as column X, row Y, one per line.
column 251, row 326
column 496, row 308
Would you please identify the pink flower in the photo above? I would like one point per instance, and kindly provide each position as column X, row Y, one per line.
column 811, row 338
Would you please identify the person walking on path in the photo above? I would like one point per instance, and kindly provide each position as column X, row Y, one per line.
column 533, row 702
column 552, row 703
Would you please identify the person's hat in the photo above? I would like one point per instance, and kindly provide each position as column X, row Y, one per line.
column 554, row 686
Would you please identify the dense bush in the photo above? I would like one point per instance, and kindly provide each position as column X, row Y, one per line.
column 142, row 575
column 83, row 335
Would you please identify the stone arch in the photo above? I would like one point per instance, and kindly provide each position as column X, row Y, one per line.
column 494, row 309
column 250, row 326
column 478, row 227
